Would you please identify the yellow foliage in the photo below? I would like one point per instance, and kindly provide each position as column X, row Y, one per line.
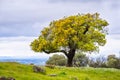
column 85, row 31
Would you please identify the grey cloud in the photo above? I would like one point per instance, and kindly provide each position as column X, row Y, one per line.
column 29, row 17
column 19, row 29
column 75, row 0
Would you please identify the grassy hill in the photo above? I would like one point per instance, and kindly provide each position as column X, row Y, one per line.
column 25, row 72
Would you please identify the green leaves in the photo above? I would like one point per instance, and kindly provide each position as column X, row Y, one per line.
column 85, row 32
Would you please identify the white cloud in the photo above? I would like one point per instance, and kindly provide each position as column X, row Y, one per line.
column 18, row 47
column 112, row 46
column 29, row 17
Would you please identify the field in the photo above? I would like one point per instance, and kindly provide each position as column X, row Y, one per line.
column 25, row 72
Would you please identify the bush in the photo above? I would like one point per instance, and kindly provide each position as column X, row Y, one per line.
column 98, row 62
column 80, row 59
column 56, row 59
column 113, row 62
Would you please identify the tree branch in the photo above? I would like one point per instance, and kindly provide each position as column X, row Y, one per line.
column 64, row 52
column 87, row 28
column 54, row 51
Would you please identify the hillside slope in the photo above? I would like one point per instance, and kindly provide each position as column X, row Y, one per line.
column 25, row 72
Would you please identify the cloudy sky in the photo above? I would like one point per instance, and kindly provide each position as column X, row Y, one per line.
column 22, row 20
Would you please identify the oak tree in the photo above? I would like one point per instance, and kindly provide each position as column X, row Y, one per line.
column 82, row 32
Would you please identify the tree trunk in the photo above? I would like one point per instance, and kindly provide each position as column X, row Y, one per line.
column 70, row 57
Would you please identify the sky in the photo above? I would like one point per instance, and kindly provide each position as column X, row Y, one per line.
column 22, row 20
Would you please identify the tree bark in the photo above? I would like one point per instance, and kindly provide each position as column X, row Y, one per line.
column 70, row 57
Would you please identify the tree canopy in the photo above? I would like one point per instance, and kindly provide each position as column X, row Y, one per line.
column 82, row 32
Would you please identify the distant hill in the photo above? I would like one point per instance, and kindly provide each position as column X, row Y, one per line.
column 36, row 61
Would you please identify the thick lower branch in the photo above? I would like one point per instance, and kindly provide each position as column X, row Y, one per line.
column 54, row 51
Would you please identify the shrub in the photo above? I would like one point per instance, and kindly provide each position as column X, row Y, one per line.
column 56, row 59
column 80, row 59
column 113, row 62
column 98, row 62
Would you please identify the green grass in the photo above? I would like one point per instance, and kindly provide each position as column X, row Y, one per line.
column 25, row 72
